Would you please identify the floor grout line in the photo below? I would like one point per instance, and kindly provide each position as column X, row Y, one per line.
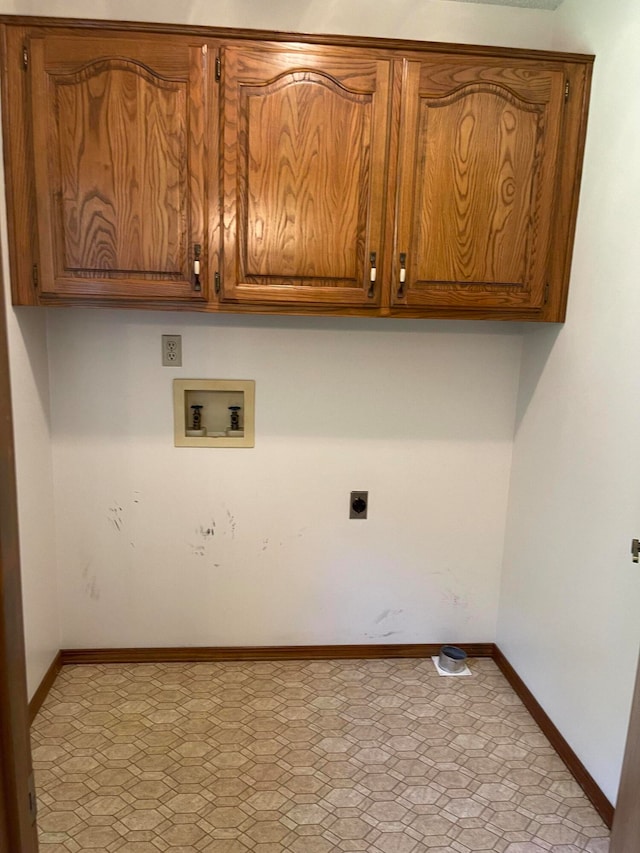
column 300, row 756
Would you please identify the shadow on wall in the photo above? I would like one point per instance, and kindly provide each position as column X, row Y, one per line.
column 340, row 378
column 538, row 344
column 32, row 348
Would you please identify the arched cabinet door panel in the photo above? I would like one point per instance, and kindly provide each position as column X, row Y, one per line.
column 477, row 181
column 220, row 170
column 305, row 159
column 119, row 135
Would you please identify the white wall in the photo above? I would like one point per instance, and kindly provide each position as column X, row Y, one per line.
column 418, row 413
column 327, row 423
column 435, row 20
column 421, row 414
column 571, row 595
column 437, row 471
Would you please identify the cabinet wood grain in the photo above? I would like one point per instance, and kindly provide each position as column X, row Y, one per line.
column 305, row 152
column 302, row 174
column 119, row 165
column 478, row 167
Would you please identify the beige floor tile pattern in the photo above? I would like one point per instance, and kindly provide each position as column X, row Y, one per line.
column 304, row 757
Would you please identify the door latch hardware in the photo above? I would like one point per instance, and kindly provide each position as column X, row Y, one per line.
column 33, row 803
column 635, row 550
column 372, row 275
column 197, row 249
column 216, row 282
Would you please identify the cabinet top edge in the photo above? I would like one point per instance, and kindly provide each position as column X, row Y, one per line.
column 281, row 36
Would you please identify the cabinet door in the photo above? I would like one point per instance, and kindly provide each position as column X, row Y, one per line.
column 305, row 147
column 118, row 128
column 478, row 154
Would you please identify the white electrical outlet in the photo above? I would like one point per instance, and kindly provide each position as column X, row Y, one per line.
column 172, row 350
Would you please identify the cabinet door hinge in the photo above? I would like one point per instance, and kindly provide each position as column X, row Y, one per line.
column 34, row 275
column 546, row 293
column 25, row 58
column 216, row 282
column 567, row 89
column 33, row 803
column 218, row 67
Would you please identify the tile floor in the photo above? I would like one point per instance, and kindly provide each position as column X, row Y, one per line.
column 305, row 757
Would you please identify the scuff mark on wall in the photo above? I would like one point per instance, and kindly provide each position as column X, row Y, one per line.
column 382, row 636
column 207, row 532
column 386, row 614
column 93, row 590
column 90, row 587
column 115, row 517
column 383, row 617
column 232, row 524
column 454, row 599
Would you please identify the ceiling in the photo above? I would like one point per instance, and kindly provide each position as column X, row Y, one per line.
column 529, row 4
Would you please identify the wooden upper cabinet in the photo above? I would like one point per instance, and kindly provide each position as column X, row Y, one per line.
column 305, row 148
column 478, row 177
column 119, row 130
column 235, row 171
